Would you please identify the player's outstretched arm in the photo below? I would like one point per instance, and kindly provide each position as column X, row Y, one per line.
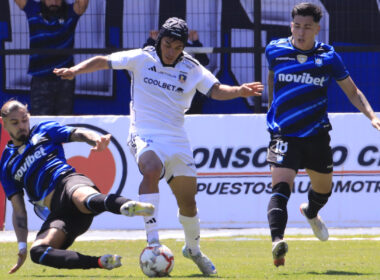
column 226, row 92
column 358, row 99
column 99, row 142
column 20, row 224
column 90, row 65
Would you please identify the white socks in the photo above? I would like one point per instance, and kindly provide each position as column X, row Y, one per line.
column 190, row 225
column 192, row 232
column 151, row 223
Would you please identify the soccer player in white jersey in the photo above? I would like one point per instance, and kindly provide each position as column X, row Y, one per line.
column 164, row 81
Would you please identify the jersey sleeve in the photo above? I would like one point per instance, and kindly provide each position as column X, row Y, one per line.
column 10, row 189
column 8, row 185
column 268, row 51
column 207, row 81
column 58, row 133
column 339, row 70
column 124, row 59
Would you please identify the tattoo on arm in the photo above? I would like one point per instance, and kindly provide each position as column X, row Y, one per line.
column 84, row 136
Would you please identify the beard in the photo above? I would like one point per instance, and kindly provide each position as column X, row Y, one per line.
column 53, row 8
column 21, row 138
column 53, row 11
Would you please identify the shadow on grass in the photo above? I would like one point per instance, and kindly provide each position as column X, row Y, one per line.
column 74, row 276
column 339, row 272
column 334, row 273
column 198, row 276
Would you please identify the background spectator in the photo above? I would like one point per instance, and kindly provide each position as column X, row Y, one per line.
column 52, row 25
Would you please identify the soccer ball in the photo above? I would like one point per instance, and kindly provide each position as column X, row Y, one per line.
column 156, row 261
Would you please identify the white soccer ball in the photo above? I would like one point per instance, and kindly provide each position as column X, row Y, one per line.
column 156, row 261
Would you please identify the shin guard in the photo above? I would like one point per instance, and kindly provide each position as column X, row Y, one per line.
column 277, row 211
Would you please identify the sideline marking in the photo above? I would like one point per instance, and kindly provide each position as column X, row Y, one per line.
column 298, row 239
column 372, row 234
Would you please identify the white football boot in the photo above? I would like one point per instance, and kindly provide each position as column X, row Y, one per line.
column 279, row 250
column 318, row 226
column 136, row 208
column 201, row 260
column 109, row 261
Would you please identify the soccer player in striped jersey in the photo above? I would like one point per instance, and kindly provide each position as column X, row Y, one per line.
column 34, row 162
column 164, row 81
column 52, row 25
column 300, row 71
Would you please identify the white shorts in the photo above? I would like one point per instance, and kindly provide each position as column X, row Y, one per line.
column 175, row 153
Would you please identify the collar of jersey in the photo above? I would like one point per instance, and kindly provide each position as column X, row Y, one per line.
column 301, row 51
column 10, row 145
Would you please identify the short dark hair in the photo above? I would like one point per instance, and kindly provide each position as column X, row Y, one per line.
column 12, row 105
column 307, row 9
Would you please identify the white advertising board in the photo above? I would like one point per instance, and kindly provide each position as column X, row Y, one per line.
column 233, row 177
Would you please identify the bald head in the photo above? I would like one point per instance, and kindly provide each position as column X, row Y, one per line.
column 12, row 106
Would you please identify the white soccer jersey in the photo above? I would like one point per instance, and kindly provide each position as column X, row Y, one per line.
column 160, row 95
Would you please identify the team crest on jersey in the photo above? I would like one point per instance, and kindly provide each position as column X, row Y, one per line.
column 182, row 78
column 318, row 62
column 301, row 58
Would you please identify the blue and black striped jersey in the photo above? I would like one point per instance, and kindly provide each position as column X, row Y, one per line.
column 301, row 78
column 39, row 164
column 55, row 33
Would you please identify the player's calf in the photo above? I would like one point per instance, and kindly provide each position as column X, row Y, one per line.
column 58, row 258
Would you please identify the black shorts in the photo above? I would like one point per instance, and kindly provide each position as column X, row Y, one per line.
column 51, row 96
column 64, row 215
column 298, row 153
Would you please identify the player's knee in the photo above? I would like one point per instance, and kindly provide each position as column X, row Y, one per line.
column 319, row 198
column 186, row 200
column 38, row 252
column 188, row 208
column 152, row 171
column 280, row 196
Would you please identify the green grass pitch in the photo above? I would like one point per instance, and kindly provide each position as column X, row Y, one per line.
column 244, row 257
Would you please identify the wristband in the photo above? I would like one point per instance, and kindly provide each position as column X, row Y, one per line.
column 21, row 245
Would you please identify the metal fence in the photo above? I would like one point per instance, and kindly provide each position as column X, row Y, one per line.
column 233, row 33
